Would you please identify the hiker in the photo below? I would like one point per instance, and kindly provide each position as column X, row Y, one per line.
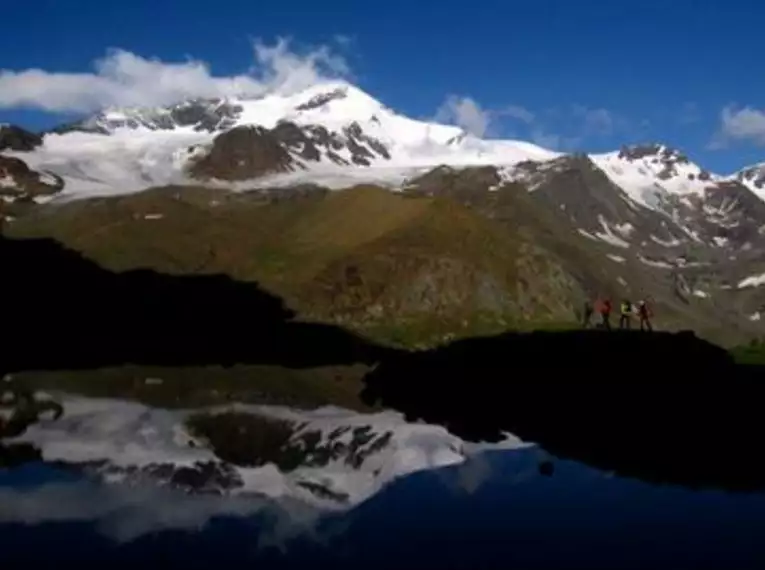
column 587, row 314
column 644, row 313
column 625, row 318
column 603, row 306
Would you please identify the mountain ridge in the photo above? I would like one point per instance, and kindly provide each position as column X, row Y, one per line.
column 329, row 103
column 641, row 220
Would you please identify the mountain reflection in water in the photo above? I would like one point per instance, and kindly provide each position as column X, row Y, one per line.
column 498, row 509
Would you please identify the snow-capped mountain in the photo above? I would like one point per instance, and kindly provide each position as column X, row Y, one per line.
column 332, row 133
column 208, row 115
column 753, row 177
column 124, row 150
column 650, row 198
column 651, row 174
column 643, row 196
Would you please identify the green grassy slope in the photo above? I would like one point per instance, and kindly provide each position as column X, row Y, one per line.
column 401, row 268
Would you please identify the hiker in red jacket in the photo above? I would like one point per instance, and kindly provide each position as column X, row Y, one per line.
column 603, row 306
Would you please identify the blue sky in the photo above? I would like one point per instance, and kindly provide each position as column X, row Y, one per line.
column 586, row 75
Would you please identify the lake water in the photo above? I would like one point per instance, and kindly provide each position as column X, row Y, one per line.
column 496, row 510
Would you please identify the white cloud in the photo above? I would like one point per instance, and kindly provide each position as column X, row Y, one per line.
column 466, row 113
column 343, row 39
column 689, row 113
column 122, row 78
column 517, row 112
column 543, row 139
column 596, row 121
column 555, row 141
column 562, row 128
column 746, row 124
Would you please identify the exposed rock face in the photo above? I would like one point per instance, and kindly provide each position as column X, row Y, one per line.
column 244, row 153
column 21, row 187
column 732, row 213
column 15, row 138
column 578, row 189
column 208, row 115
column 712, row 215
column 754, row 176
column 322, row 99
column 657, row 154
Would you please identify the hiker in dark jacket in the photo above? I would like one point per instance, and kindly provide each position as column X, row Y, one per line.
column 587, row 311
column 645, row 314
column 625, row 318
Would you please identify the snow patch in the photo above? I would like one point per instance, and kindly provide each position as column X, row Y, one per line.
column 533, row 173
column 608, row 236
column 587, row 234
column 626, row 229
column 655, row 263
column 752, row 281
column 48, row 178
column 616, row 258
column 701, row 294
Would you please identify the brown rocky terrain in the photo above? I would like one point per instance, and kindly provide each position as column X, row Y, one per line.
column 250, row 152
column 16, row 138
column 21, row 188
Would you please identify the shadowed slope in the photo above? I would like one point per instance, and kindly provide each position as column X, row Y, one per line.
column 662, row 407
column 64, row 311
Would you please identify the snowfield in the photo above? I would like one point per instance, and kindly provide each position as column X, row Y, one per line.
column 130, row 159
column 126, row 161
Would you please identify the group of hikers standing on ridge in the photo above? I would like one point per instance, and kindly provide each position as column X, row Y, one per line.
column 627, row 311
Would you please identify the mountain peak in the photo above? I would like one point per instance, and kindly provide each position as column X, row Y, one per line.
column 335, row 102
column 654, row 151
column 753, row 177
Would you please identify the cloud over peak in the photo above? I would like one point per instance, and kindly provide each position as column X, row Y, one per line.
column 740, row 125
column 124, row 79
column 466, row 113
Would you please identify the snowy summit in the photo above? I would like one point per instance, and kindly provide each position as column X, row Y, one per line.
column 129, row 149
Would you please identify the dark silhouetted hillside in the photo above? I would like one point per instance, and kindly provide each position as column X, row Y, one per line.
column 62, row 311
column 662, row 407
